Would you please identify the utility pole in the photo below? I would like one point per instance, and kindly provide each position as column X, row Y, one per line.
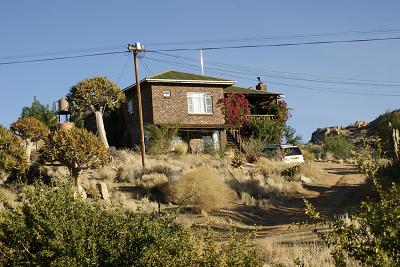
column 137, row 47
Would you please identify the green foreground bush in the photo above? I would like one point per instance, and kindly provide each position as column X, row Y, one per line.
column 52, row 228
column 339, row 145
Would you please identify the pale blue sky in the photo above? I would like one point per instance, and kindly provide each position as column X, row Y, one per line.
column 45, row 27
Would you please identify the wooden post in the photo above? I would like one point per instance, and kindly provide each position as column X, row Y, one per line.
column 135, row 48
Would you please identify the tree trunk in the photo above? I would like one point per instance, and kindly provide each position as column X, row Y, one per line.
column 100, row 128
column 28, row 151
column 75, row 174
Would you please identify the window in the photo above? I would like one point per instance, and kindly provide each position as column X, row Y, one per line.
column 199, row 103
column 130, row 106
column 167, row 94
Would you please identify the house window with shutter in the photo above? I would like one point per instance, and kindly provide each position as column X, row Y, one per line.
column 199, row 103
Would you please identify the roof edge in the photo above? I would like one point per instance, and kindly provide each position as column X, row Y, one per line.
column 224, row 82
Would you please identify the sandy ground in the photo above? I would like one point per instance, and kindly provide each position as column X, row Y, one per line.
column 341, row 189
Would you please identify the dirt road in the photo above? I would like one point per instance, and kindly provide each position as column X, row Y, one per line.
column 340, row 189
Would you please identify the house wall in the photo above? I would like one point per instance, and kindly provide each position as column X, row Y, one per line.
column 132, row 134
column 175, row 109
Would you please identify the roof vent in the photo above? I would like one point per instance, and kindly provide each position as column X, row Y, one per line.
column 261, row 86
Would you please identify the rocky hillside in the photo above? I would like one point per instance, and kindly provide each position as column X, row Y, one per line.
column 377, row 127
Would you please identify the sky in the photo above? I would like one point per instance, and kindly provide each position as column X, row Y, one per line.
column 324, row 85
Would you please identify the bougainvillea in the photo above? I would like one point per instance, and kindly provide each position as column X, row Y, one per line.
column 236, row 109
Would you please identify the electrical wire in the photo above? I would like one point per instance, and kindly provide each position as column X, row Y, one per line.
column 276, row 45
column 233, row 72
column 61, row 58
column 124, row 69
column 280, row 37
column 326, row 89
column 255, row 69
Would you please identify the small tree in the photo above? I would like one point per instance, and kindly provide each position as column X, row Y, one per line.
column 290, row 135
column 41, row 112
column 95, row 95
column 77, row 149
column 31, row 130
column 12, row 153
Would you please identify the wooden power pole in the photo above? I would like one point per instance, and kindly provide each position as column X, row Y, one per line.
column 137, row 47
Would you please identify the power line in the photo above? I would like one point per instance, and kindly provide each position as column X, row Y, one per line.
column 276, row 71
column 326, row 89
column 280, row 37
column 276, row 45
column 61, row 58
column 230, row 72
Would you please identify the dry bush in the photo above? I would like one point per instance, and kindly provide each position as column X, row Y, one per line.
column 280, row 186
column 181, row 148
column 107, row 173
column 263, row 186
column 248, row 200
column 202, row 188
column 308, row 156
column 152, row 180
column 310, row 170
column 269, row 166
column 308, row 253
column 329, row 156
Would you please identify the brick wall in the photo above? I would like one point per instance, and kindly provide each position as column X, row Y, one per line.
column 175, row 109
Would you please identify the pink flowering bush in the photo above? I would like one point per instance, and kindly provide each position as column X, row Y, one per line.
column 236, row 109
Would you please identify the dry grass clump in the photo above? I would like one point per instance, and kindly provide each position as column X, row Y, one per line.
column 152, row 180
column 269, row 166
column 181, row 148
column 308, row 253
column 280, row 186
column 256, row 187
column 202, row 188
column 107, row 173
column 310, row 170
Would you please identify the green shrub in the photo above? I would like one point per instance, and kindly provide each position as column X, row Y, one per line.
column 290, row 135
column 370, row 235
column 253, row 149
column 311, row 151
column 161, row 137
column 41, row 112
column 202, row 188
column 12, row 153
column 266, row 129
column 380, row 126
column 339, row 145
column 53, row 228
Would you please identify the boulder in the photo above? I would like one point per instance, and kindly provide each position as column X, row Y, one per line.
column 102, row 187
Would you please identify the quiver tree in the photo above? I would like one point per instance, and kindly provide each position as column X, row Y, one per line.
column 77, row 149
column 12, row 153
column 94, row 95
column 31, row 130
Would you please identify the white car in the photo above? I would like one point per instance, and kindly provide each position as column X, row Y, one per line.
column 285, row 152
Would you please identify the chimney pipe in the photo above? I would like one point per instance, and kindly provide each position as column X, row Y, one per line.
column 261, row 86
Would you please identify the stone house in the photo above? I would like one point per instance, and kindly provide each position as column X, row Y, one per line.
column 189, row 102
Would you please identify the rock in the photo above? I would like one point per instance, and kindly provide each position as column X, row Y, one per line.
column 306, row 180
column 340, row 161
column 81, row 192
column 102, row 187
column 319, row 134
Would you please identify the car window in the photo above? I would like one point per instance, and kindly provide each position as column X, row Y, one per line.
column 292, row 151
column 272, row 152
